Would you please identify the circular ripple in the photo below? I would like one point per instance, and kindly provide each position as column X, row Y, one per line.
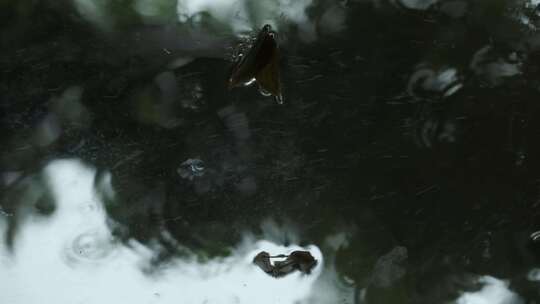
column 535, row 236
column 90, row 246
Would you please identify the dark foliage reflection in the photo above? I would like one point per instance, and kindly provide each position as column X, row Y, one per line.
column 405, row 152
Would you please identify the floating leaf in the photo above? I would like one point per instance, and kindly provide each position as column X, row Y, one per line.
column 302, row 261
column 260, row 64
column 263, row 261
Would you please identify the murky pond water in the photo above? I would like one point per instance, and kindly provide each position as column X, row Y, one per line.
column 404, row 157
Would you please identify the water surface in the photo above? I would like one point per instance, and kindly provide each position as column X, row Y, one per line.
column 404, row 156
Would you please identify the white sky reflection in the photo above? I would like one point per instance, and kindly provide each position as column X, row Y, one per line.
column 70, row 257
column 494, row 291
column 239, row 15
column 244, row 15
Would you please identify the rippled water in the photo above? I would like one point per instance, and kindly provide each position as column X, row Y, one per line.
column 404, row 157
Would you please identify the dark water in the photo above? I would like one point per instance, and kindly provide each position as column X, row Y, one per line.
column 404, row 158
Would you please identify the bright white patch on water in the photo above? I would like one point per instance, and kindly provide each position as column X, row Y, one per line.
column 443, row 80
column 494, row 291
column 526, row 21
column 522, row 15
column 236, row 15
column 534, row 275
column 71, row 257
column 246, row 15
column 418, row 4
column 494, row 70
column 94, row 11
column 151, row 8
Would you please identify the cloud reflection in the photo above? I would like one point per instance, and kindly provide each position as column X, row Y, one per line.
column 494, row 291
column 71, row 257
column 418, row 4
column 229, row 15
column 244, row 15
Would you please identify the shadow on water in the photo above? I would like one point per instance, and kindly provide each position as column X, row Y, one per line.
column 404, row 153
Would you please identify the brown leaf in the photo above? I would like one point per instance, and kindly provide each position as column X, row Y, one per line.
column 261, row 63
column 263, row 261
column 297, row 260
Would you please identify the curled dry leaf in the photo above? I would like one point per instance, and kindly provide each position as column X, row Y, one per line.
column 299, row 260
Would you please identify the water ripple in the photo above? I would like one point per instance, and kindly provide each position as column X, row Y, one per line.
column 90, row 246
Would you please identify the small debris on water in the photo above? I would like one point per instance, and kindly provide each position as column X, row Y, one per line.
column 191, row 168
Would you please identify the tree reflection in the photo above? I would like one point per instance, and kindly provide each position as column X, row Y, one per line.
column 409, row 124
